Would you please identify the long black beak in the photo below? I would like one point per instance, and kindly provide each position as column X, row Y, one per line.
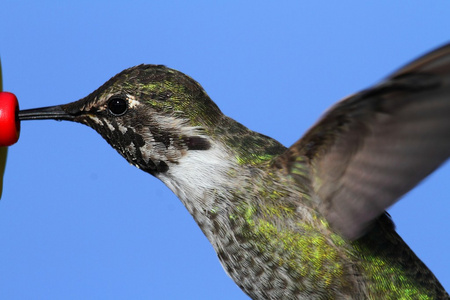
column 56, row 112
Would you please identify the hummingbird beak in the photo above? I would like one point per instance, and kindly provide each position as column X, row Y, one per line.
column 56, row 112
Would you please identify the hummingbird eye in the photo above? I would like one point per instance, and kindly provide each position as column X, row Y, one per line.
column 117, row 106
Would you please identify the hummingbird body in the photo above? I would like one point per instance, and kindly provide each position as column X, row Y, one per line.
column 305, row 222
column 272, row 242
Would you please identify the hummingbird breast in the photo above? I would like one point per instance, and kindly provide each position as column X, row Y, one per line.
column 275, row 245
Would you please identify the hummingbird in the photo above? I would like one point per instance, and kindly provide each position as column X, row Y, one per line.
column 304, row 222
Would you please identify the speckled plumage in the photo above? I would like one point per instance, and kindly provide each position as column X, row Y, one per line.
column 297, row 223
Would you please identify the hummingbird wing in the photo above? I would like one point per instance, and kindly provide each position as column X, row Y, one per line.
column 373, row 147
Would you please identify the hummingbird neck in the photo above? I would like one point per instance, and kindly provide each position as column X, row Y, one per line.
column 199, row 175
column 210, row 182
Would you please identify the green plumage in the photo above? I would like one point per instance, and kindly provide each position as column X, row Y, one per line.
column 305, row 222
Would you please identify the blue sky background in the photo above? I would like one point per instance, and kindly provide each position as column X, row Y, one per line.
column 77, row 222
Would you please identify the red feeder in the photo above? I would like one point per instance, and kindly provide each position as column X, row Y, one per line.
column 9, row 121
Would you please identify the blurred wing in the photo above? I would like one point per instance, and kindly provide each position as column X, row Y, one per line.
column 373, row 147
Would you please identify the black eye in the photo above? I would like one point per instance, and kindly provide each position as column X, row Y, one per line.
column 117, row 106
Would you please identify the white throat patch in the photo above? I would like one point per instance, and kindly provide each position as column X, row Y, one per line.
column 198, row 174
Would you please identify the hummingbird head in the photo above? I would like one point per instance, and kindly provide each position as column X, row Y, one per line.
column 150, row 114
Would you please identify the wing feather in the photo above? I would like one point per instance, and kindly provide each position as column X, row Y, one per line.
column 373, row 147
